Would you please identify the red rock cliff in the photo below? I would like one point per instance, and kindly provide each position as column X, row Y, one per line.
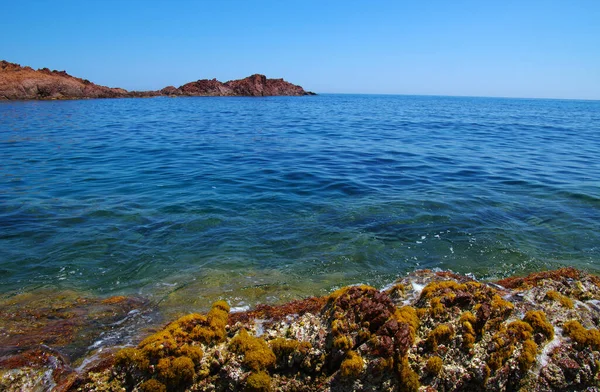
column 17, row 82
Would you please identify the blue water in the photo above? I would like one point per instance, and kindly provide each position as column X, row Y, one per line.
column 265, row 199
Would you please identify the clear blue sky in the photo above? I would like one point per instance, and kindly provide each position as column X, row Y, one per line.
column 480, row 48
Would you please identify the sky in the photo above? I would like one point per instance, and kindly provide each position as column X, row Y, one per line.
column 535, row 49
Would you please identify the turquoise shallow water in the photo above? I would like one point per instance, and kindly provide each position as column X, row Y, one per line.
column 266, row 199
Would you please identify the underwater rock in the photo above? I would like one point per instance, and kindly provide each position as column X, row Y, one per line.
column 431, row 331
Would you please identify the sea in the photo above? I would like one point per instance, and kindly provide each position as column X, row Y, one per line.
column 265, row 200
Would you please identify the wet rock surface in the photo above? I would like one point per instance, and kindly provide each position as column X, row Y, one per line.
column 25, row 83
column 45, row 336
column 430, row 331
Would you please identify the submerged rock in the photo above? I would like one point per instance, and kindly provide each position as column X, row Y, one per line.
column 430, row 331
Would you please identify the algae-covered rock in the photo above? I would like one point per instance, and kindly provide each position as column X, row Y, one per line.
column 431, row 331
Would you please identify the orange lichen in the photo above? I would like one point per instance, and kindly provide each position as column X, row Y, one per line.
column 539, row 323
column 434, row 365
column 257, row 353
column 352, row 365
column 562, row 299
column 582, row 336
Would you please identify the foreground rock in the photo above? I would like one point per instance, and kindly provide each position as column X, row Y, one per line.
column 21, row 83
column 430, row 331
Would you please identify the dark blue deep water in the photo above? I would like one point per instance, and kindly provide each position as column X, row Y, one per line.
column 266, row 199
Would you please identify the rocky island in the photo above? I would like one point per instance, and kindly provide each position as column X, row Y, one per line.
column 429, row 331
column 25, row 83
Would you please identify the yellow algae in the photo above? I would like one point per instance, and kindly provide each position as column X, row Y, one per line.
column 501, row 307
column 558, row 297
column 364, row 335
column 343, row 343
column 153, row 385
column 444, row 285
column 352, row 365
column 257, row 353
column 339, row 292
column 409, row 379
column 338, row 327
column 193, row 352
column 407, row 314
column 467, row 319
column 499, row 357
column 473, row 285
column 174, row 350
column 176, row 371
column 434, row 365
column 222, row 305
column 396, row 291
column 213, row 330
column 519, row 330
column 440, row 334
column 538, row 321
column 132, row 357
column 528, row 354
column 283, row 347
column 159, row 344
column 258, row 382
column 582, row 336
column 187, row 322
column 436, row 308
column 383, row 364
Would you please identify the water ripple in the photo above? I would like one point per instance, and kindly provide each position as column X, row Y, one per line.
column 300, row 194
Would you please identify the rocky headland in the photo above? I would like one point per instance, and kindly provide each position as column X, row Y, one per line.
column 25, row 83
column 429, row 331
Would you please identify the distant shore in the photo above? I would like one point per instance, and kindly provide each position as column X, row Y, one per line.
column 25, row 83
